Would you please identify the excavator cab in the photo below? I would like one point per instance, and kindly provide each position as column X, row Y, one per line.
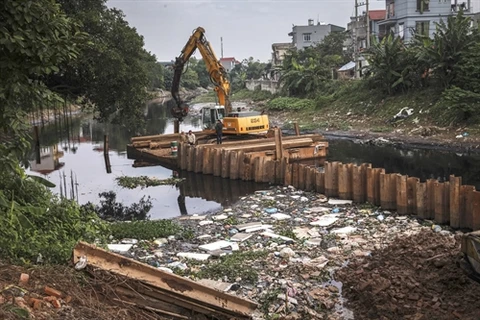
column 210, row 115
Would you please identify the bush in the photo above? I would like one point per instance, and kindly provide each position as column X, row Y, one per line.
column 289, row 103
column 46, row 226
column 256, row 95
column 144, row 230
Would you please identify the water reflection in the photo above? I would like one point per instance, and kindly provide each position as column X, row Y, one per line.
column 420, row 163
column 72, row 158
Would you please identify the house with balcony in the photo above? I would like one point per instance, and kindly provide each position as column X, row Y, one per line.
column 311, row 34
column 229, row 63
column 406, row 17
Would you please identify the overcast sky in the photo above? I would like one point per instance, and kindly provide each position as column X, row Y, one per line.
column 248, row 27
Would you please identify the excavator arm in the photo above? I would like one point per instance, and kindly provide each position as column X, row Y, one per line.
column 218, row 74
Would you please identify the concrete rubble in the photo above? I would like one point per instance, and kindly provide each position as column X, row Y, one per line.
column 281, row 248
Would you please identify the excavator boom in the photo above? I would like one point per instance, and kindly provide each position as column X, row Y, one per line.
column 218, row 74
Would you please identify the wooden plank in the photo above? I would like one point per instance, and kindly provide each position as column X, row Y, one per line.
column 198, row 159
column 288, row 174
column 278, row 144
column 455, row 213
column 169, row 282
column 248, row 167
column 467, row 216
column 359, row 183
column 270, row 169
column 475, row 210
column 190, row 159
column 430, row 204
column 234, row 165
column 207, row 162
column 288, row 144
column 401, row 190
column 388, row 193
column 242, row 158
column 185, row 156
column 278, row 172
column 295, row 177
column 309, row 179
column 345, row 181
column 301, row 176
column 421, row 199
column 297, row 128
column 441, row 216
column 331, row 179
column 217, row 162
column 412, row 194
column 319, row 181
column 225, row 158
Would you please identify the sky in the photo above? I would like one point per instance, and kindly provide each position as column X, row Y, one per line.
column 248, row 27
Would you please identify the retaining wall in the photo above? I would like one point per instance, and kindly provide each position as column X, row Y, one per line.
column 447, row 202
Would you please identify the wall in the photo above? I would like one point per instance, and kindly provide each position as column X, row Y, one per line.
column 266, row 85
column 318, row 32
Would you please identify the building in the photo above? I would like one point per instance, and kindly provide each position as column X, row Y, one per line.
column 278, row 55
column 229, row 63
column 358, row 33
column 357, row 28
column 278, row 52
column 311, row 34
column 405, row 17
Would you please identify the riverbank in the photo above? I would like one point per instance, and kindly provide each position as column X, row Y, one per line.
column 300, row 255
column 422, row 124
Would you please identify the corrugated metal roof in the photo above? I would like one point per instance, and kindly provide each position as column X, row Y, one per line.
column 348, row 66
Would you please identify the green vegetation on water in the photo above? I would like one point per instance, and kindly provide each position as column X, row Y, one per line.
column 145, row 182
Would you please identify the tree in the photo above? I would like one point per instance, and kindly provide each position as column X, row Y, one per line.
column 111, row 71
column 392, row 65
column 36, row 38
column 203, row 77
column 450, row 42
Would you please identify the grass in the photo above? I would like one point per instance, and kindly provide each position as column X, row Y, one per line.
column 145, row 230
column 233, row 266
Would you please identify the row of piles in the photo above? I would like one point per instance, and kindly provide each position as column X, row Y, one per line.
column 447, row 202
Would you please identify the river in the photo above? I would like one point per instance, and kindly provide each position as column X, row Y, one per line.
column 72, row 158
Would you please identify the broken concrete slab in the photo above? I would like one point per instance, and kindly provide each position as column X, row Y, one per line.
column 344, row 230
column 244, row 226
column 325, row 221
column 240, row 237
column 222, row 244
column 262, row 227
column 339, row 202
column 193, row 256
column 274, row 235
column 281, row 216
column 120, row 248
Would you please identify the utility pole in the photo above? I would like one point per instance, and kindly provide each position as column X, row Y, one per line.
column 221, row 46
column 368, row 24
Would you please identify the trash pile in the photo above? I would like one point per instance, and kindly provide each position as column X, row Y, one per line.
column 280, row 248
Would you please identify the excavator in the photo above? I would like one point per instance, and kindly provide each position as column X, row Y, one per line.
column 237, row 122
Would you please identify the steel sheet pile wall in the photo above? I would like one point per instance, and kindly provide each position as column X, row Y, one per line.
column 445, row 202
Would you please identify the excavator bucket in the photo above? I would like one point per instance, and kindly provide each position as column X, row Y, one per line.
column 180, row 112
column 471, row 250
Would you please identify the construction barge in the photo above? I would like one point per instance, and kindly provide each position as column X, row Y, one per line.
column 230, row 159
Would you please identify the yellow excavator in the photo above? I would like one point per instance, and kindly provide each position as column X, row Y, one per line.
column 234, row 122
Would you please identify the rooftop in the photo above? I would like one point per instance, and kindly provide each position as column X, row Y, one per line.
column 376, row 15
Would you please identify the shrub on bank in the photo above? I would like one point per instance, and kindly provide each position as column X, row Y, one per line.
column 290, row 103
column 37, row 226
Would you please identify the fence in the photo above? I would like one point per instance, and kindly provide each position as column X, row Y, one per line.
column 447, row 202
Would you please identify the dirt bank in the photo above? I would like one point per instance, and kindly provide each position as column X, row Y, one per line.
column 362, row 128
column 416, row 277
